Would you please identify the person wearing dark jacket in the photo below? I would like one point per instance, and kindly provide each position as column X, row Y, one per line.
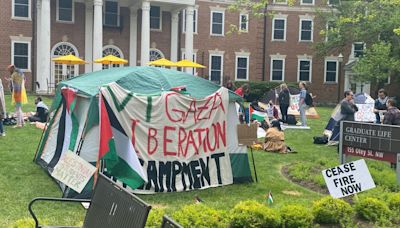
column 347, row 106
column 392, row 116
column 380, row 104
column 284, row 101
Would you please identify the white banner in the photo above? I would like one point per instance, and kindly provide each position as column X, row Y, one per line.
column 348, row 179
column 365, row 113
column 181, row 141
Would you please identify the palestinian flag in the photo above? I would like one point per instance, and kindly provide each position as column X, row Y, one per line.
column 270, row 200
column 259, row 116
column 116, row 149
column 69, row 125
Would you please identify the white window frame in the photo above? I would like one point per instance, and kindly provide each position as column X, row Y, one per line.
column 161, row 20
column 247, row 22
column 327, row 31
column 353, row 54
column 281, row 2
column 26, row 40
column 222, row 66
column 29, row 18
column 312, row 29
column 307, row 4
column 244, row 56
column 104, row 14
column 273, row 28
column 58, row 16
column 183, row 55
column 277, row 57
column 196, row 19
column 223, row 22
column 337, row 70
column 298, row 68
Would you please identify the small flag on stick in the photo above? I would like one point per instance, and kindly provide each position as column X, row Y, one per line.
column 270, row 200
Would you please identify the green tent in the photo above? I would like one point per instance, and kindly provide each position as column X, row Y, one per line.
column 74, row 124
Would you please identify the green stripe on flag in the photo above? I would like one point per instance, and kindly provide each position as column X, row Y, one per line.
column 148, row 109
column 120, row 106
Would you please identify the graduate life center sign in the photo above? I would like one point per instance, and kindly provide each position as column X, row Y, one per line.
column 348, row 179
column 374, row 141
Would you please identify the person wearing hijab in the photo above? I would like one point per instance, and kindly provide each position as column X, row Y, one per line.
column 275, row 139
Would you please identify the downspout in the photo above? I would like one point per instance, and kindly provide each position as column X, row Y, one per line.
column 33, row 54
column 264, row 41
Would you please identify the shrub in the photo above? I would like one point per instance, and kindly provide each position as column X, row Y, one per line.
column 199, row 215
column 258, row 89
column 394, row 202
column 332, row 211
column 385, row 177
column 155, row 218
column 253, row 214
column 23, row 223
column 296, row 216
column 372, row 209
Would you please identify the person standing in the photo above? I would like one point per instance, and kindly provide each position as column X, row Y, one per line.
column 347, row 106
column 243, row 90
column 302, row 103
column 284, row 101
column 2, row 109
column 392, row 116
column 18, row 92
column 231, row 85
column 380, row 105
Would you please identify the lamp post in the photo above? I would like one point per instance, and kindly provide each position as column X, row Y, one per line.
column 340, row 60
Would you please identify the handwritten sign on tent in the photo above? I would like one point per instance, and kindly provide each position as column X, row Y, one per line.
column 73, row 171
column 348, row 179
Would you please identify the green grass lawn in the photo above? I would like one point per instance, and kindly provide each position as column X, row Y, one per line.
column 21, row 179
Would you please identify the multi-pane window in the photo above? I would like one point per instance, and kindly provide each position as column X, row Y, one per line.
column 111, row 13
column 304, row 70
column 21, row 55
column 279, row 29
column 306, row 30
column 155, row 17
column 244, row 22
column 333, row 2
column 307, row 2
column 277, row 69
column 21, row 8
column 216, row 68
column 330, row 26
column 331, row 67
column 65, row 10
column 280, row 1
column 194, row 21
column 110, row 50
column 358, row 49
column 242, row 68
column 217, row 23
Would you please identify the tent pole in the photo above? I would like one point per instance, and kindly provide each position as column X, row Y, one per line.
column 41, row 137
column 254, row 164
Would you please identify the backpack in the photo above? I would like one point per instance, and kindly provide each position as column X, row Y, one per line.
column 291, row 120
column 320, row 139
column 308, row 100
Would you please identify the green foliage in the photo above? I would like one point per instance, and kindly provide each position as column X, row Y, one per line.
column 199, row 215
column 258, row 89
column 394, row 202
column 155, row 217
column 332, row 211
column 23, row 223
column 372, row 209
column 253, row 214
column 296, row 216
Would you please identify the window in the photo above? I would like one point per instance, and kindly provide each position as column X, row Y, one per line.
column 217, row 23
column 111, row 14
column 333, row 2
column 216, row 68
column 307, row 2
column 244, row 22
column 21, row 54
column 65, row 10
column 115, row 51
column 280, row 1
column 331, row 70
column 194, row 59
column 21, row 9
column 194, row 21
column 306, row 30
column 155, row 18
column 155, row 54
column 277, row 69
column 304, row 70
column 358, row 49
column 279, row 29
column 242, row 68
column 330, row 26
column 62, row 72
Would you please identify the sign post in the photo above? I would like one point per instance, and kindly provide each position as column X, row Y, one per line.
column 247, row 135
column 373, row 141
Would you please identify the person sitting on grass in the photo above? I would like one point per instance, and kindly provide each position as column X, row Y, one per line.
column 41, row 111
column 275, row 139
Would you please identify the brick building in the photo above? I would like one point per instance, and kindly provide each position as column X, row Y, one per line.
column 271, row 48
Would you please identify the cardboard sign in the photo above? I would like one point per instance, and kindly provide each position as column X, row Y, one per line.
column 247, row 135
column 348, row 179
column 73, row 171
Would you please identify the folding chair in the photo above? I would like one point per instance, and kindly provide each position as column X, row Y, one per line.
column 110, row 206
column 167, row 222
